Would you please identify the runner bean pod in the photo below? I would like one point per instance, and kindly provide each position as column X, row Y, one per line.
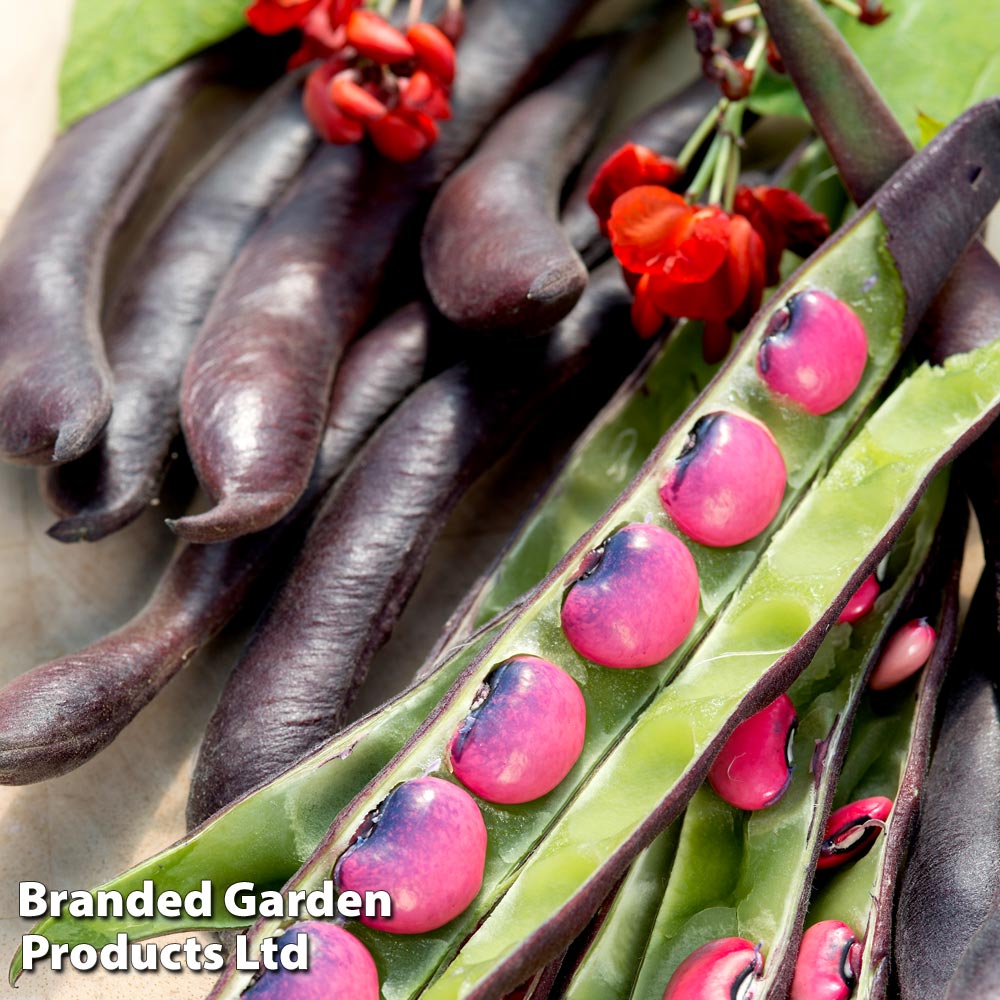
column 549, row 905
column 727, row 484
column 340, row 967
column 852, row 830
column 524, row 733
column 814, row 351
column 426, row 846
column 256, row 385
column 828, row 964
column 904, row 654
column 635, row 600
column 157, row 311
column 495, row 258
column 55, row 385
column 720, row 970
column 754, row 768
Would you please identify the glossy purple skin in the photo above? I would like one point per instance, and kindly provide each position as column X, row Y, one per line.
column 828, row 964
column 426, row 847
column 727, row 484
column 861, row 602
column 851, row 830
column 340, row 968
column 524, row 738
column 636, row 598
column 725, row 969
column 908, row 649
column 814, row 351
column 754, row 768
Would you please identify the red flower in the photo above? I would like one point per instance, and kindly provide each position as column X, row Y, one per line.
column 784, row 222
column 626, row 168
column 691, row 260
column 272, row 17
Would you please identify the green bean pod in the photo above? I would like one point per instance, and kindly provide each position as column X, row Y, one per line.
column 524, row 924
column 750, row 875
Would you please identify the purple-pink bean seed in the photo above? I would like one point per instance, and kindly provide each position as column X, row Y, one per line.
column 861, row 602
column 851, row 830
column 524, row 732
column 828, row 964
column 635, row 600
column 814, row 351
column 426, row 846
column 727, row 483
column 725, row 969
column 340, row 968
column 908, row 649
column 754, row 768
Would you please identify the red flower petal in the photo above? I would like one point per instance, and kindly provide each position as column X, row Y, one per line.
column 353, row 100
column 403, row 137
column 435, row 53
column 328, row 120
column 646, row 317
column 272, row 17
column 647, row 226
column 626, row 168
column 375, row 38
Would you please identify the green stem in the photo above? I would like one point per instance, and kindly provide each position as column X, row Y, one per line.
column 706, row 170
column 757, row 50
column 735, row 14
column 847, row 6
column 701, row 133
column 385, row 7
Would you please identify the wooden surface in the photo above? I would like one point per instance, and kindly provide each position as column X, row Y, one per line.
column 75, row 831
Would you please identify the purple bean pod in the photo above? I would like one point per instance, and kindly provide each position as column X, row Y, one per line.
column 58, row 715
column 495, row 257
column 255, row 389
column 370, row 541
column 160, row 309
column 55, row 384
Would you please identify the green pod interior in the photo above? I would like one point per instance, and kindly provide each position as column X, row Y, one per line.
column 761, row 865
column 837, row 529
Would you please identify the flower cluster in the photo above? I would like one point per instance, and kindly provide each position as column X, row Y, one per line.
column 697, row 261
column 374, row 79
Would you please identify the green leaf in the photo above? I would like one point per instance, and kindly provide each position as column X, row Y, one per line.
column 115, row 45
column 930, row 56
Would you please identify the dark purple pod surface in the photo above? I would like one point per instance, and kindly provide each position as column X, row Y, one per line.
column 852, row 830
column 370, row 541
column 814, row 351
column 523, row 735
column 494, row 255
column 636, row 599
column 907, row 650
column 725, row 969
column 426, row 846
column 727, row 484
column 665, row 129
column 162, row 305
column 754, row 768
column 828, row 964
column 861, row 602
column 55, row 384
column 255, row 390
column 340, row 967
column 58, row 715
column 952, row 874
